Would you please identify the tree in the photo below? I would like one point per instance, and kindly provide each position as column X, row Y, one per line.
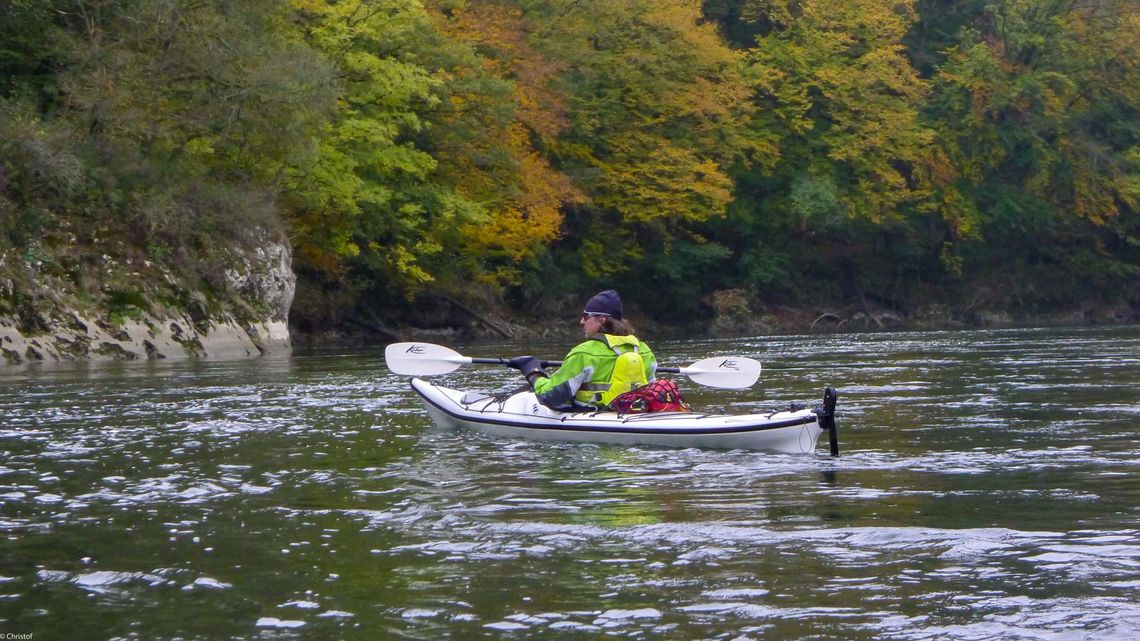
column 163, row 126
column 1038, row 108
column 838, row 98
column 503, row 90
column 366, row 198
column 655, row 105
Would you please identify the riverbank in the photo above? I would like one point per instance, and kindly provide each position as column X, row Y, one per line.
column 732, row 315
column 190, row 335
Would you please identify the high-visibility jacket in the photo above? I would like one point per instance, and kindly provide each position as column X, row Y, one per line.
column 585, row 379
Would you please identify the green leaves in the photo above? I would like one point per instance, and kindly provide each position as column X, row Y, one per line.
column 1025, row 105
column 845, row 101
column 364, row 197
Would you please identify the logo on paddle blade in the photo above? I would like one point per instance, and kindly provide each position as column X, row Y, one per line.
column 415, row 349
column 728, row 364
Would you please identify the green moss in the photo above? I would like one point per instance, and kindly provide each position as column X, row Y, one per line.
column 124, row 304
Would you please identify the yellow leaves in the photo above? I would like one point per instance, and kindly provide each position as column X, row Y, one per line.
column 938, row 178
column 199, row 147
column 503, row 32
column 776, row 12
column 658, row 108
column 1127, row 182
column 845, row 89
column 514, row 233
column 701, row 38
column 962, row 218
column 950, row 258
column 1093, row 197
column 1024, row 112
column 407, row 263
column 311, row 6
column 664, row 182
column 498, row 165
column 869, row 23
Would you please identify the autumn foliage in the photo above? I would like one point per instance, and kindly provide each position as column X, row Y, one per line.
column 525, row 151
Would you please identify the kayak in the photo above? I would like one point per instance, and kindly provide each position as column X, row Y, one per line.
column 520, row 415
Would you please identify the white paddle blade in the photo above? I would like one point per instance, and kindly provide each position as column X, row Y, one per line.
column 422, row 359
column 727, row 372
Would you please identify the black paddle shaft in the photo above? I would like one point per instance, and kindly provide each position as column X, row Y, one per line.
column 491, row 361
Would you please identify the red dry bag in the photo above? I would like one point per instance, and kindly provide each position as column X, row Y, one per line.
column 661, row 395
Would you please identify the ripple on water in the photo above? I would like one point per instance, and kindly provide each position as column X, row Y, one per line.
column 985, row 492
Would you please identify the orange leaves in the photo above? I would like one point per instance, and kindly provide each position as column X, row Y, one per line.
column 503, row 35
column 658, row 106
column 521, row 193
column 527, row 219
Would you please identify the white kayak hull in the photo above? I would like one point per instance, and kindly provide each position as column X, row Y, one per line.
column 521, row 416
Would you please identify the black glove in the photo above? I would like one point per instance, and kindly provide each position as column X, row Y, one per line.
column 530, row 367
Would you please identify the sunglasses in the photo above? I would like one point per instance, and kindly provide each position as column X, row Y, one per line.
column 587, row 315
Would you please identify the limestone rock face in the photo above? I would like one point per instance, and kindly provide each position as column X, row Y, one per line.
column 262, row 280
column 266, row 275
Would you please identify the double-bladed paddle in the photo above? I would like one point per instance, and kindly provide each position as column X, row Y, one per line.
column 426, row 359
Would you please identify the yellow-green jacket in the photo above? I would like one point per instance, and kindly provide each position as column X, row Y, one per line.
column 586, row 371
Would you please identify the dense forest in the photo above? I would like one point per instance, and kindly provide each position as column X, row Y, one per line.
column 524, row 153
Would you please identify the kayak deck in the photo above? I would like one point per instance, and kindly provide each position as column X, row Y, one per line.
column 522, row 416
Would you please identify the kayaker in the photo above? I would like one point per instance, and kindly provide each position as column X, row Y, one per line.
column 610, row 362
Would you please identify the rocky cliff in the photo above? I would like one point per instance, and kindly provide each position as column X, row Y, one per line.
column 244, row 314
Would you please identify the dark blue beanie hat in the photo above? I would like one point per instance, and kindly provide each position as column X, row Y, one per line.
column 607, row 302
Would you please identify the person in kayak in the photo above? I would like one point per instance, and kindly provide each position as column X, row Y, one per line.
column 610, row 362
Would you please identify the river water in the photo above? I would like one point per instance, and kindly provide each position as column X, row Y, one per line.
column 987, row 489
